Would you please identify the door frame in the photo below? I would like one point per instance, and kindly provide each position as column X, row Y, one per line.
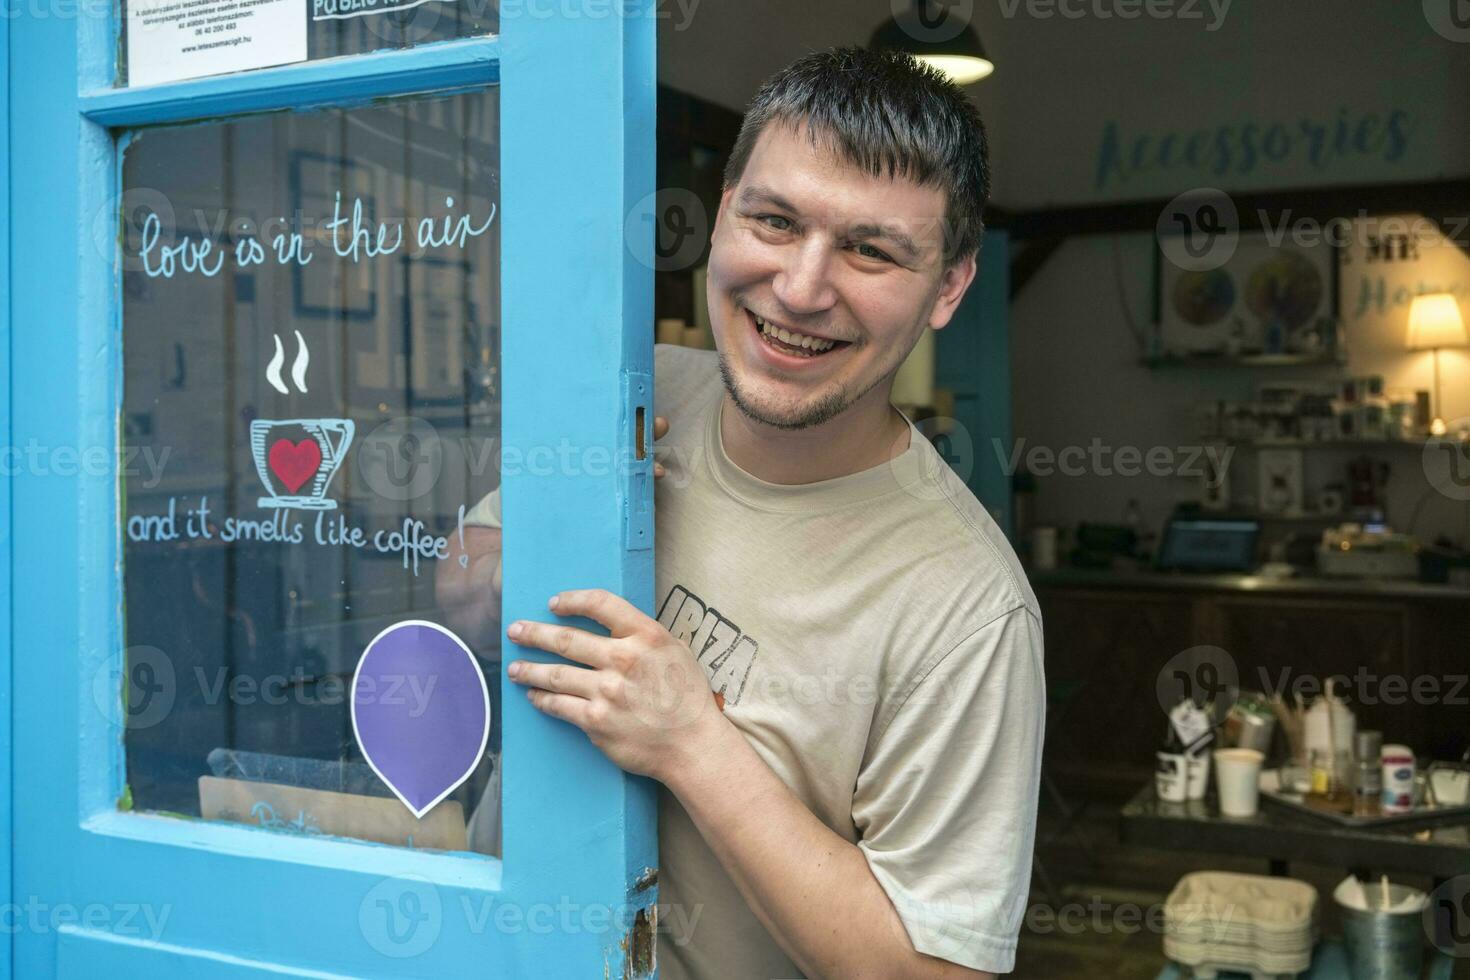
column 973, row 361
column 5, row 553
column 589, row 83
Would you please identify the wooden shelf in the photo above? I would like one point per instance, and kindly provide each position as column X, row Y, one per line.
column 1322, row 359
column 1332, row 443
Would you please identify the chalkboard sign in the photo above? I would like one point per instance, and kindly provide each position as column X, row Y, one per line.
column 311, row 347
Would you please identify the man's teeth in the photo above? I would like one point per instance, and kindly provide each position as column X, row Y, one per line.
column 814, row 344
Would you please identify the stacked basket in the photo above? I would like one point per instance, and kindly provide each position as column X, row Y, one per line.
column 1217, row 921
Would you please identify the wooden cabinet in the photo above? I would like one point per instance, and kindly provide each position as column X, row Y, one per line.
column 1104, row 651
column 1401, row 662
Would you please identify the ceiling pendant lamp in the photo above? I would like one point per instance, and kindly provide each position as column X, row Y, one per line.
column 932, row 32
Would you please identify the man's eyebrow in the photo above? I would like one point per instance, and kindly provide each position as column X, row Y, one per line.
column 904, row 242
column 756, row 194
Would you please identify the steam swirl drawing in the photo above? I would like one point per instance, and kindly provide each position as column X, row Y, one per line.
column 297, row 458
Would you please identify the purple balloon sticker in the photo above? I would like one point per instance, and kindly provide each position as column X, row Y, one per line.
column 420, row 711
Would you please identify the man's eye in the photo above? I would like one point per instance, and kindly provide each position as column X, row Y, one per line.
column 775, row 221
column 869, row 252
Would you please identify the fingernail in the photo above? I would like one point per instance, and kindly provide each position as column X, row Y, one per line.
column 514, row 669
column 515, row 630
column 552, row 602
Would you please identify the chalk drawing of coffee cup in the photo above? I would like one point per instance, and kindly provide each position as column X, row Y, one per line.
column 297, row 458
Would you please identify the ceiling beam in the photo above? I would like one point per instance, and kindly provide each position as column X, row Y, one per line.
column 1444, row 202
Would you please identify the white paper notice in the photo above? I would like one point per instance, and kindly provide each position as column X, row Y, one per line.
column 170, row 40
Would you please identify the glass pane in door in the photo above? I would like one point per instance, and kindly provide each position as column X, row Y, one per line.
column 311, row 423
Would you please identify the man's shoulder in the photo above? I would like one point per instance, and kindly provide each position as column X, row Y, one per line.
column 972, row 554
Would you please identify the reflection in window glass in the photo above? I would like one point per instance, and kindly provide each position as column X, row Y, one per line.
column 164, row 40
column 311, row 406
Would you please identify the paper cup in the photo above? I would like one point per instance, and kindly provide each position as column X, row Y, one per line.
column 1171, row 778
column 1238, row 778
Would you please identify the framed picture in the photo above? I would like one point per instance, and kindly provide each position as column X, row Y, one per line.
column 1265, row 299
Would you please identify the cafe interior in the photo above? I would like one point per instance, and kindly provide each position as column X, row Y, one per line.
column 1214, row 381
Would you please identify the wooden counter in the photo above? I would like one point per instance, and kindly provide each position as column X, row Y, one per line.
column 1403, row 650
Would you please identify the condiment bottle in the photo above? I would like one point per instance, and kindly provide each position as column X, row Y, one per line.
column 1368, row 787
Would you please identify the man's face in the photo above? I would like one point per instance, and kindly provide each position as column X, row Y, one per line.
column 849, row 265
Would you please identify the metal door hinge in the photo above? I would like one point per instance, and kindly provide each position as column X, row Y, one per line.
column 637, row 457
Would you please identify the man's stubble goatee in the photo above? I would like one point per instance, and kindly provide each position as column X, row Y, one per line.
column 824, row 410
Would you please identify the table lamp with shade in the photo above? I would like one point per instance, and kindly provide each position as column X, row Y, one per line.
column 933, row 32
column 1434, row 324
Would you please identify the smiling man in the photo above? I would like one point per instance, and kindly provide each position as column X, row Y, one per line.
column 858, row 797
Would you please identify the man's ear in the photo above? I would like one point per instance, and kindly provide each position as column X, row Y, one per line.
column 954, row 282
column 720, row 213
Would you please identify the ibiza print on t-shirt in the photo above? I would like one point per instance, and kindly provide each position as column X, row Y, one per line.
column 726, row 653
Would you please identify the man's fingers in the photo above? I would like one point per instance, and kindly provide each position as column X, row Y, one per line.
column 558, row 678
column 620, row 616
column 564, row 641
column 660, row 427
column 562, row 706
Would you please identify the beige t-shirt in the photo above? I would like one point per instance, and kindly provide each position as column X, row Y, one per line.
column 877, row 642
column 874, row 638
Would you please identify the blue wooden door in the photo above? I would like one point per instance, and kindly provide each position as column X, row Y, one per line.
column 143, row 321
column 973, row 360
column 5, row 439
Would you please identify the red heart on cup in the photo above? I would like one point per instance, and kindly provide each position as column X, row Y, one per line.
column 295, row 462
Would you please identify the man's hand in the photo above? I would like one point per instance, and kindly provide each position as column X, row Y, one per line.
column 660, row 429
column 641, row 697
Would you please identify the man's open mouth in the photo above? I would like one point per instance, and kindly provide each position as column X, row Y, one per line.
column 791, row 342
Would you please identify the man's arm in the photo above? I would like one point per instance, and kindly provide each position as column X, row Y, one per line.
column 946, row 805
column 813, row 891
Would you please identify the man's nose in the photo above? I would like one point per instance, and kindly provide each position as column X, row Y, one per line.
column 804, row 282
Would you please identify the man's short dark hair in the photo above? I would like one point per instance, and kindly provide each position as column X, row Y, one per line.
column 888, row 114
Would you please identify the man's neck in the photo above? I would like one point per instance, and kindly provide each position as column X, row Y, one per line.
column 869, row 433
